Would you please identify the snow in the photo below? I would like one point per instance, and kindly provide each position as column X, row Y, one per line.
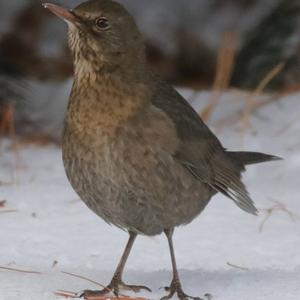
column 51, row 224
column 44, row 107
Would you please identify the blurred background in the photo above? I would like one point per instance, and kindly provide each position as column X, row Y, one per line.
column 238, row 64
column 204, row 45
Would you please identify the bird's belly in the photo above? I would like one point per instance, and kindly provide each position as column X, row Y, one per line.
column 87, row 175
column 145, row 200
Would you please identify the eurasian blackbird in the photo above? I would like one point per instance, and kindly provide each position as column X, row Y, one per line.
column 133, row 148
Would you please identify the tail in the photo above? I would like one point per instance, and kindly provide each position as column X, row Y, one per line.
column 241, row 159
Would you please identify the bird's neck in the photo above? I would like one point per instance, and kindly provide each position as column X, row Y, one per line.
column 101, row 102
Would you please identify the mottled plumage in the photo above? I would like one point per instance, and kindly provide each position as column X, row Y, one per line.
column 134, row 150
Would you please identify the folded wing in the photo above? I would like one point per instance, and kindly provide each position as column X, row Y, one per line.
column 200, row 151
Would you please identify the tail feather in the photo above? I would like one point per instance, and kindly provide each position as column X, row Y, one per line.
column 248, row 158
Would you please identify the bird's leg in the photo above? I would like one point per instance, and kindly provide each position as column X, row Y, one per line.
column 175, row 287
column 116, row 283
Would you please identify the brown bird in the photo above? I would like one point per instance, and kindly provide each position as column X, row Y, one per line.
column 134, row 150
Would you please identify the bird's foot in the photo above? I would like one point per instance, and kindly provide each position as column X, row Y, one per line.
column 175, row 288
column 114, row 287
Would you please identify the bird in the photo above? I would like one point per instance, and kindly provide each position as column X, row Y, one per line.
column 134, row 149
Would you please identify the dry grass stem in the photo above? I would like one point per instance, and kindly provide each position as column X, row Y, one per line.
column 19, row 270
column 236, row 117
column 252, row 105
column 8, row 211
column 87, row 279
column 237, row 267
column 277, row 207
column 225, row 63
column 72, row 295
column 269, row 77
column 3, row 183
column 7, row 126
column 114, row 298
column 251, row 101
column 66, row 294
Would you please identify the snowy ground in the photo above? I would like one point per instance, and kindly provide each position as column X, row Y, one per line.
column 52, row 231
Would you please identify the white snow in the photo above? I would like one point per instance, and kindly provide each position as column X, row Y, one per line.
column 51, row 224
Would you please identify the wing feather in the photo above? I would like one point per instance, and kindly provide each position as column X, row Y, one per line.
column 200, row 151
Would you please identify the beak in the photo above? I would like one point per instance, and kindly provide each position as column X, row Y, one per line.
column 61, row 12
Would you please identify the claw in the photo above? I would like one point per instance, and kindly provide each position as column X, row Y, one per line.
column 134, row 288
column 114, row 288
column 175, row 288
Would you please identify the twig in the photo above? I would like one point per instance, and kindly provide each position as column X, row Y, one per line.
column 87, row 279
column 262, row 224
column 20, row 271
column 237, row 116
column 8, row 211
column 73, row 295
column 277, row 207
column 251, row 102
column 225, row 62
column 114, row 298
column 120, row 297
column 66, row 294
column 237, row 267
column 2, row 183
column 8, row 126
column 268, row 78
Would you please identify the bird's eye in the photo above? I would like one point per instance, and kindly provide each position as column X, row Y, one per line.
column 102, row 23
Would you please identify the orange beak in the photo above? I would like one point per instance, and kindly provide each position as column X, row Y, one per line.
column 61, row 12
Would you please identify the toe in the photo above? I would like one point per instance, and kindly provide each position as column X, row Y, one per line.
column 134, row 288
column 139, row 288
column 186, row 297
column 176, row 289
column 89, row 293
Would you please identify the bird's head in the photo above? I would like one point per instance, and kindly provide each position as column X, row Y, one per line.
column 102, row 34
